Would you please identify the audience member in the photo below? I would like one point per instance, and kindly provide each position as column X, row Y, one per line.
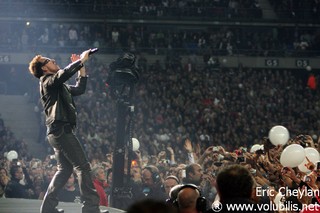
column 70, row 192
column 173, row 195
column 4, row 179
column 235, row 185
column 194, row 174
column 169, row 182
column 151, row 186
column 100, row 182
column 190, row 200
column 14, row 188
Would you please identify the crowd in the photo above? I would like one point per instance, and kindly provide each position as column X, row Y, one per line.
column 254, row 99
column 296, row 10
column 206, row 182
column 165, row 9
column 190, row 123
column 155, row 39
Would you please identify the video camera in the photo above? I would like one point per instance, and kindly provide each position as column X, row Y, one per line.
column 123, row 71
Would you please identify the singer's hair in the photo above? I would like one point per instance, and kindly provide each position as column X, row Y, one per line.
column 35, row 66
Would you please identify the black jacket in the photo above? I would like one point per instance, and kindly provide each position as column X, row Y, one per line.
column 16, row 190
column 56, row 96
column 141, row 192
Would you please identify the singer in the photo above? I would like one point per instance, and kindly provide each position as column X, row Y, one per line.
column 59, row 107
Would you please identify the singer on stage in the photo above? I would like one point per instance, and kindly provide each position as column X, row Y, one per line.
column 59, row 107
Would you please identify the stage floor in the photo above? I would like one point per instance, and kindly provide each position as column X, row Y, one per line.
column 12, row 205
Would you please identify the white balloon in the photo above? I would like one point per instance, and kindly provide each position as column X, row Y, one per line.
column 255, row 148
column 313, row 155
column 12, row 155
column 135, row 144
column 303, row 168
column 292, row 156
column 316, row 163
column 278, row 135
column 261, row 147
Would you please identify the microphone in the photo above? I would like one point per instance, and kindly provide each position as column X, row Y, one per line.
column 93, row 51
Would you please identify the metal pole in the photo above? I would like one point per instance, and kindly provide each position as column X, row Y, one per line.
column 118, row 156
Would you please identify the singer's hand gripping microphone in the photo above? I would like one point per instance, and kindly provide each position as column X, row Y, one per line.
column 93, row 51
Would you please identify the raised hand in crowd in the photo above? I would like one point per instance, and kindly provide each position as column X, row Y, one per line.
column 172, row 157
column 161, row 155
column 210, row 179
column 188, row 145
column 210, row 150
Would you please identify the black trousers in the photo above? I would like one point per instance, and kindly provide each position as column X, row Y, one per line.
column 70, row 155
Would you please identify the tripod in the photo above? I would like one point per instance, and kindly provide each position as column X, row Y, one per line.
column 122, row 79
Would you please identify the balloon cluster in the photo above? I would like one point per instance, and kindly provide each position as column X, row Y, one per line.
column 294, row 155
